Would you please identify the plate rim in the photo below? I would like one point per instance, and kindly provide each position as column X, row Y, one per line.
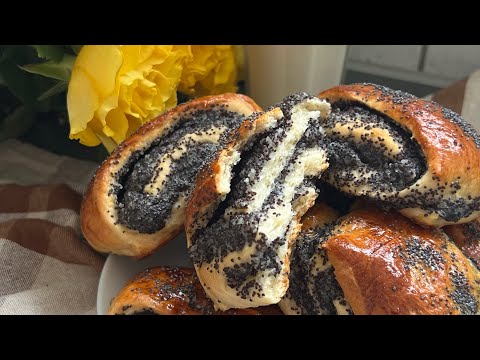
column 168, row 255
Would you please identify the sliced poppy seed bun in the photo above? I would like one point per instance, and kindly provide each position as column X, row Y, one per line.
column 467, row 238
column 313, row 288
column 386, row 264
column 244, row 213
column 136, row 201
column 169, row 290
column 410, row 154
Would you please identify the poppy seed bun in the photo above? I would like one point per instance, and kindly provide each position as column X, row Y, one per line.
column 244, row 213
column 386, row 264
column 169, row 290
column 467, row 238
column 313, row 288
column 136, row 201
column 410, row 154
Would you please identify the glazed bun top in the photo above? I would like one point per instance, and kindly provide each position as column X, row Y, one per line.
column 413, row 154
column 386, row 264
column 169, row 290
column 467, row 238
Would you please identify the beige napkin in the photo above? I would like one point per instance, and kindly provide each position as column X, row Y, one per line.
column 45, row 265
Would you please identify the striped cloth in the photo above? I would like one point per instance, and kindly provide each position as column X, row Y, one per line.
column 45, row 265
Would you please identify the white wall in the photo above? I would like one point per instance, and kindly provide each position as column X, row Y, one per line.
column 434, row 65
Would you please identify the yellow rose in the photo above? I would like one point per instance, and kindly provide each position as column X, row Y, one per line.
column 115, row 89
column 210, row 69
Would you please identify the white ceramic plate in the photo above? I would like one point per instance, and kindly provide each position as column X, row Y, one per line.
column 118, row 270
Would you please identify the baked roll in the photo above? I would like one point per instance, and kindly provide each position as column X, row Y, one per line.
column 313, row 288
column 171, row 291
column 467, row 238
column 244, row 213
column 386, row 264
column 409, row 154
column 136, row 201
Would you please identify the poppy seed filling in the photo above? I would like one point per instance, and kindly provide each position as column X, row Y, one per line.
column 245, row 238
column 358, row 151
column 153, row 181
column 362, row 164
column 313, row 287
column 275, row 171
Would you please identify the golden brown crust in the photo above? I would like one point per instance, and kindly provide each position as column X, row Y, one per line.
column 467, row 238
column 209, row 187
column 386, row 264
column 171, row 291
column 318, row 216
column 98, row 213
column 451, row 149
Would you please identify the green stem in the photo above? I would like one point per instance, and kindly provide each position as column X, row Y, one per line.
column 107, row 142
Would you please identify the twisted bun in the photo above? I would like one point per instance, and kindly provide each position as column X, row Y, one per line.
column 410, row 154
column 136, row 201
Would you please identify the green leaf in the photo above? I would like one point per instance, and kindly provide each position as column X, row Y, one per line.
column 59, row 71
column 50, row 52
column 56, row 89
column 17, row 123
column 3, row 53
column 21, row 84
column 76, row 48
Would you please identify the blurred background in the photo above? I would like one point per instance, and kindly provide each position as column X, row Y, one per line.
column 418, row 69
column 32, row 114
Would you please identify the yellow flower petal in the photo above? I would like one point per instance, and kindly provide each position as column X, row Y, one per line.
column 212, row 70
column 107, row 142
column 133, row 124
column 106, row 106
column 86, row 137
column 101, row 63
column 82, row 101
column 117, row 125
column 134, row 56
column 115, row 89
